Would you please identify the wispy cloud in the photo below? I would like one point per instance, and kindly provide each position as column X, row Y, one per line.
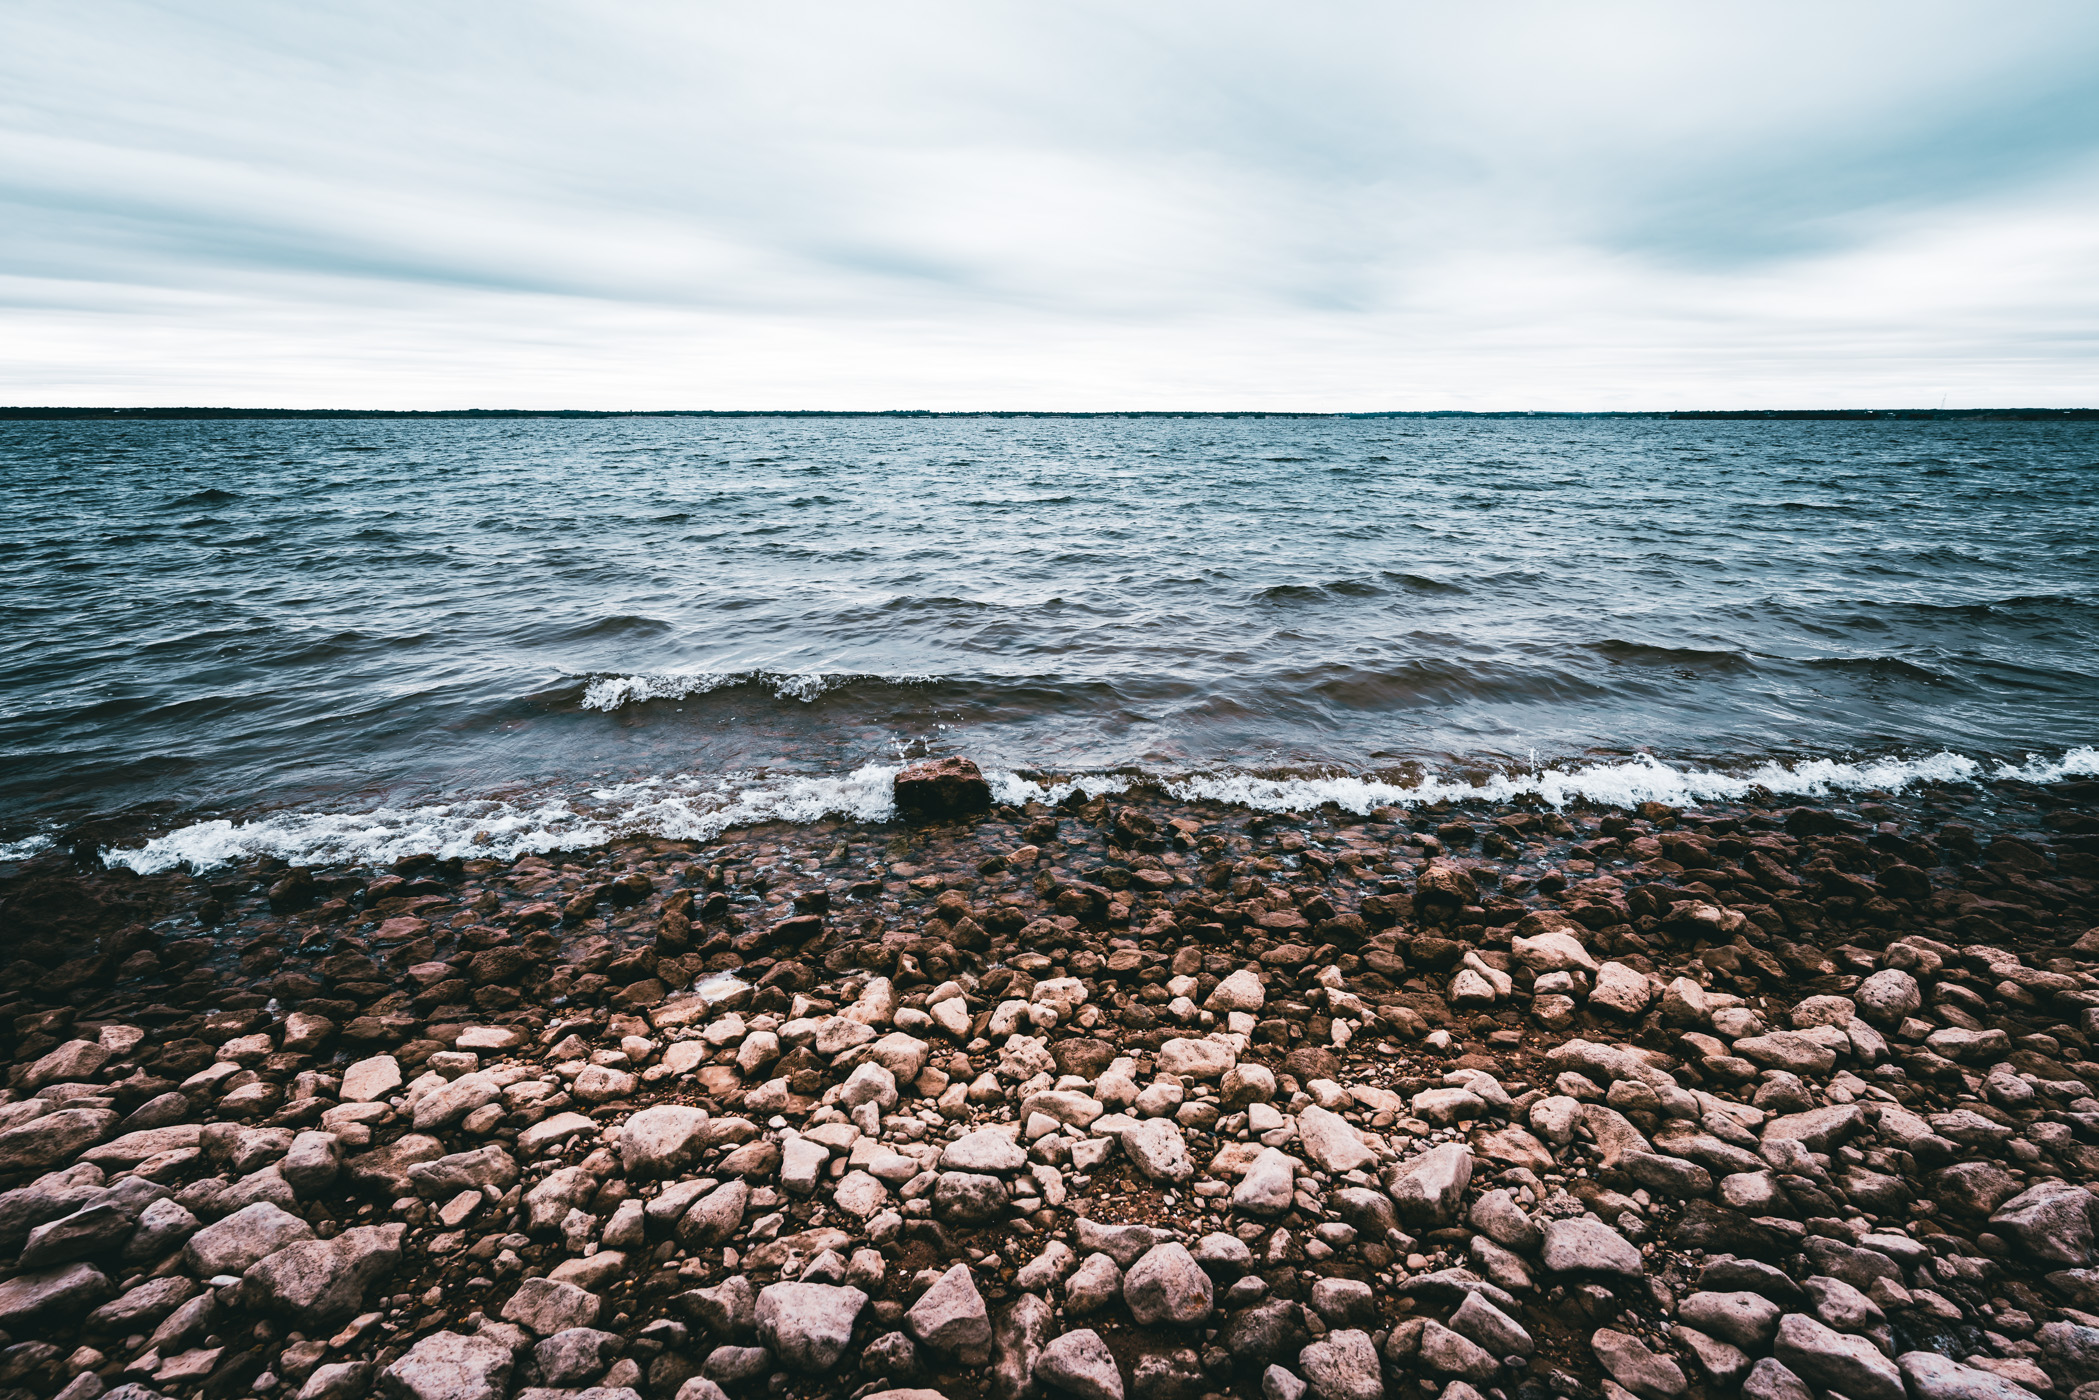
column 1080, row 205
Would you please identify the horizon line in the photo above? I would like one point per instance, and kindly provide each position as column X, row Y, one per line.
column 33, row 412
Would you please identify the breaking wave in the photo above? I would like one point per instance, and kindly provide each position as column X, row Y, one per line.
column 617, row 692
column 695, row 808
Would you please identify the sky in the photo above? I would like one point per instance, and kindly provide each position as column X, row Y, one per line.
column 1072, row 205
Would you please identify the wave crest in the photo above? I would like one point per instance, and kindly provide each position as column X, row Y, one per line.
column 613, row 692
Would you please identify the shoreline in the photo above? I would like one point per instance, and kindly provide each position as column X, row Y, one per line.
column 1271, row 1036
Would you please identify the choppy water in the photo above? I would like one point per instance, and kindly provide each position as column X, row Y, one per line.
column 376, row 632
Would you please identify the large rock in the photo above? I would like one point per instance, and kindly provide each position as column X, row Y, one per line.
column 547, row 1306
column 1242, row 991
column 1581, row 1246
column 1269, row 1186
column 1196, row 1059
column 1330, row 1141
column 2052, row 1221
column 1818, row 1129
column 70, row 1291
column 243, row 1238
column 947, row 787
column 1935, row 1377
column 950, row 1317
column 1448, row 1352
column 1621, row 990
column 1079, row 1363
column 986, row 1150
column 1157, row 1149
column 51, row 1138
column 808, row 1325
column 1426, row 1190
column 1748, row 1320
column 1167, row 1286
column 1831, row 1360
column 369, row 1081
column 658, row 1141
column 1636, row 1366
column 316, row 1282
column 450, row 1366
column 1888, row 996
column 1343, row 1366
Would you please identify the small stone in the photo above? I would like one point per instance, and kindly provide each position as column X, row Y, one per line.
column 1096, row 1283
column 1589, row 1246
column 1636, row 1366
column 449, row 1366
column 1343, row 1365
column 950, row 1317
column 808, row 1325
column 1079, row 1363
column 1157, row 1149
column 547, row 1307
column 1167, row 1286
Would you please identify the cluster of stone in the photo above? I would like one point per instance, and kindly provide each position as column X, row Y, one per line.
column 1118, row 1098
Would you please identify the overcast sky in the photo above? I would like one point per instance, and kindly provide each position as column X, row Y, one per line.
column 1049, row 205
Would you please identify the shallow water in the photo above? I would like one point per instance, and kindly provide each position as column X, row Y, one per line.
column 538, row 624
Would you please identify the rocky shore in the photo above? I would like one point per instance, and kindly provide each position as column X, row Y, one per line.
column 1122, row 1097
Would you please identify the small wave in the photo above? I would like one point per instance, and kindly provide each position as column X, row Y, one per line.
column 679, row 809
column 617, row 692
column 1629, row 783
column 26, row 847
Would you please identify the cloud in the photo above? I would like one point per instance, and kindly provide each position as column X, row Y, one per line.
column 1082, row 205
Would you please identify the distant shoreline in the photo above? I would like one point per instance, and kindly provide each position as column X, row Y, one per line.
column 1986, row 415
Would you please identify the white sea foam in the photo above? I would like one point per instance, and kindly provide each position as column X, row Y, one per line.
column 616, row 692
column 25, row 848
column 1628, row 783
column 693, row 808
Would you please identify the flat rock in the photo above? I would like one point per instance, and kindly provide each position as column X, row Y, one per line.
column 316, row 1282
column 450, row 1366
column 1196, row 1059
column 369, row 1081
column 1748, row 1320
column 1590, row 1247
column 243, row 1238
column 51, row 1138
column 985, row 1150
column 547, row 1306
column 1636, row 1366
column 1935, row 1377
column 70, row 1290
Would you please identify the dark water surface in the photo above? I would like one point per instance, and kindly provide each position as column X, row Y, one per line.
column 526, row 626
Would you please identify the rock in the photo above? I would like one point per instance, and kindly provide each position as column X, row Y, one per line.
column 658, row 1141
column 1329, row 1140
column 1167, row 1286
column 1258, row 1335
column 1724, row 1363
column 1343, row 1366
column 1017, row 1344
column 1279, row 1384
column 243, row 1238
column 728, row 1310
column 547, row 1307
column 1621, row 990
column 68, row 1290
column 1748, row 1320
column 714, row 1217
column 969, row 1198
column 1241, row 991
column 1079, row 1363
column 950, row 1317
column 312, row 1163
column 1497, row 1216
column 1496, row 1332
column 1554, row 950
column 1589, row 1246
column 1770, row 1380
column 51, row 1138
column 1196, row 1059
column 1269, row 1186
column 986, row 1150
column 316, row 1282
column 1888, row 996
column 575, row 1356
column 1426, row 1190
column 1831, row 1360
column 1450, row 1353
column 1789, row 1051
column 1157, row 1149
column 942, row 789
column 369, row 1081
column 2051, row 1221
column 808, row 1325
column 446, row 1105
column 1637, row 1367
column 1818, row 1129
column 449, row 1366
column 1935, row 1377
column 1093, row 1285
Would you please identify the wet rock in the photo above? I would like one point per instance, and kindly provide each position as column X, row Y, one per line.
column 943, row 789
column 1078, row 1363
column 808, row 1325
